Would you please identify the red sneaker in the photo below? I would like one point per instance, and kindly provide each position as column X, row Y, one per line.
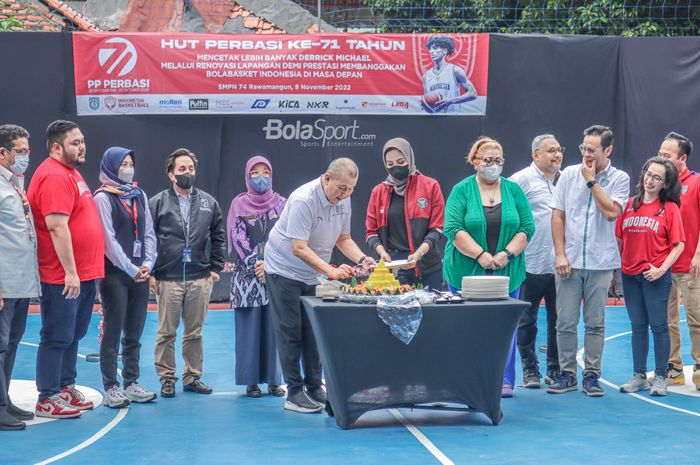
column 53, row 407
column 73, row 398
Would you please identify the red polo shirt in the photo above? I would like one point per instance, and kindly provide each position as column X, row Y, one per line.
column 55, row 188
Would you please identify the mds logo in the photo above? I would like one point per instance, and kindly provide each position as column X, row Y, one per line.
column 260, row 103
column 199, row 104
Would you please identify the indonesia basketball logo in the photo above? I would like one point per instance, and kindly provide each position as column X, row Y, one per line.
column 120, row 56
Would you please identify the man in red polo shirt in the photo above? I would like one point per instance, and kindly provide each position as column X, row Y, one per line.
column 686, row 270
column 71, row 258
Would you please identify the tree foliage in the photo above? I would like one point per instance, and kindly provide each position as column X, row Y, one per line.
column 597, row 17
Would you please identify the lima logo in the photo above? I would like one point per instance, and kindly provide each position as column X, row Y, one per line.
column 125, row 59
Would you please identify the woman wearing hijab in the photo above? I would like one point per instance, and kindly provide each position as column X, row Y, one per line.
column 405, row 217
column 251, row 216
column 130, row 253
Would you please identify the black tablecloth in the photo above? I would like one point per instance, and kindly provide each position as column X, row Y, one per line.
column 458, row 356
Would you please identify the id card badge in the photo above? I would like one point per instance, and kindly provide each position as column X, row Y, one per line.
column 137, row 249
column 186, row 255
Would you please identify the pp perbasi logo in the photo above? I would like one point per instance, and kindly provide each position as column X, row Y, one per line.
column 120, row 57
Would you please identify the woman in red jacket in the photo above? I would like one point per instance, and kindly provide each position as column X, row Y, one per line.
column 405, row 217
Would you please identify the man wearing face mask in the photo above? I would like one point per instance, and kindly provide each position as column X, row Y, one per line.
column 71, row 259
column 405, row 216
column 588, row 199
column 130, row 253
column 19, row 272
column 191, row 254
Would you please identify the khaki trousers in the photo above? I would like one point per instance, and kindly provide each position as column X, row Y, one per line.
column 684, row 285
column 189, row 299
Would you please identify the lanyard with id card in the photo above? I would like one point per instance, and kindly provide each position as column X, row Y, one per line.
column 134, row 214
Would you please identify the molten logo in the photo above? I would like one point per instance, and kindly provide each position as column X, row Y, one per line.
column 124, row 61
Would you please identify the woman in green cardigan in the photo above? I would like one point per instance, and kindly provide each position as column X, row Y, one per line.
column 488, row 223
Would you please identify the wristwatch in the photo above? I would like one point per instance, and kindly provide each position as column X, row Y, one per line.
column 362, row 259
column 591, row 183
column 510, row 255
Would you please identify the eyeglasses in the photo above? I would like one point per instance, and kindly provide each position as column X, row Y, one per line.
column 590, row 150
column 554, row 150
column 20, row 152
column 654, row 177
column 490, row 161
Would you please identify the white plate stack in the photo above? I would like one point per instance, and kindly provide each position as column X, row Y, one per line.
column 485, row 287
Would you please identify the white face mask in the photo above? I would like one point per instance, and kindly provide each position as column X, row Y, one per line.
column 126, row 175
column 20, row 165
column 491, row 172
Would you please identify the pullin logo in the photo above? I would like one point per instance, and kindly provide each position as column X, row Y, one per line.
column 260, row 103
column 199, row 104
column 128, row 53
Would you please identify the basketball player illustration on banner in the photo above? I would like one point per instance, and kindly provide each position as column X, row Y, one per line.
column 445, row 85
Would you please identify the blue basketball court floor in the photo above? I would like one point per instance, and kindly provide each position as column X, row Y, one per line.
column 229, row 428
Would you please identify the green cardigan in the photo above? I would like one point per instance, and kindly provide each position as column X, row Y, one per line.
column 465, row 212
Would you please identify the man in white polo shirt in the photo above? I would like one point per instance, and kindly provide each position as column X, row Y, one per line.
column 537, row 182
column 587, row 200
column 315, row 219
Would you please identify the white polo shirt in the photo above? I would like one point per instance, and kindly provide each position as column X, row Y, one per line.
column 539, row 254
column 590, row 242
column 308, row 216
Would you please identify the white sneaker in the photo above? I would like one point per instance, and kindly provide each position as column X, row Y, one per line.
column 137, row 393
column 658, row 386
column 115, row 398
column 637, row 383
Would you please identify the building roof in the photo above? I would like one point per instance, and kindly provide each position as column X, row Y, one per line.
column 44, row 15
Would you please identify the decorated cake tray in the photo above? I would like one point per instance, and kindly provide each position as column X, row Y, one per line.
column 381, row 282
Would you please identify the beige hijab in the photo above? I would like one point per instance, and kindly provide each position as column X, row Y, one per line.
column 403, row 146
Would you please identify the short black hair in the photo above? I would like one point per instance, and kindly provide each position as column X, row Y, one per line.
column 443, row 42
column 9, row 133
column 56, row 132
column 182, row 152
column 607, row 138
column 685, row 146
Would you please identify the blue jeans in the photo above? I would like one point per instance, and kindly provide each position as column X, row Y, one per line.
column 63, row 324
column 509, row 373
column 647, row 303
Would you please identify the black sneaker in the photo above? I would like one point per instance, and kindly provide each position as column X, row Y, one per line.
column 532, row 378
column 552, row 374
column 168, row 388
column 299, row 402
column 317, row 396
column 565, row 382
column 197, row 386
column 591, row 386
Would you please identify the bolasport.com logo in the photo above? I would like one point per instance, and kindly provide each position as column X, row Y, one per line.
column 117, row 58
column 318, row 133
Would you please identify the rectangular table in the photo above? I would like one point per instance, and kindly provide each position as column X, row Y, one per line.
column 458, row 356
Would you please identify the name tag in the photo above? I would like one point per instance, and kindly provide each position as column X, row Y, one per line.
column 137, row 249
column 187, row 255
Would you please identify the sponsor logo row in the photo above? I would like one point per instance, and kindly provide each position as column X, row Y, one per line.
column 124, row 104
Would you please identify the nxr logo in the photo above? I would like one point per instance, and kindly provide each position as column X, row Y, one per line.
column 124, row 62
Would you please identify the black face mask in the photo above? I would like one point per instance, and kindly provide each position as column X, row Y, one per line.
column 399, row 172
column 184, row 181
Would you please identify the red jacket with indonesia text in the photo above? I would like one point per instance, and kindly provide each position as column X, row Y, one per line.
column 424, row 207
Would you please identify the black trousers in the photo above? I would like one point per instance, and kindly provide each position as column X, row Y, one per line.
column 13, row 321
column 536, row 287
column 124, row 306
column 295, row 338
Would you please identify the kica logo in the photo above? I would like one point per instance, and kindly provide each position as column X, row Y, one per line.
column 125, row 54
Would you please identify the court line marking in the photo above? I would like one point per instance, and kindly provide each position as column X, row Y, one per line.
column 437, row 453
column 579, row 359
column 92, row 439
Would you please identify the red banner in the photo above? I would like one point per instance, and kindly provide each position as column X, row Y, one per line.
column 320, row 73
